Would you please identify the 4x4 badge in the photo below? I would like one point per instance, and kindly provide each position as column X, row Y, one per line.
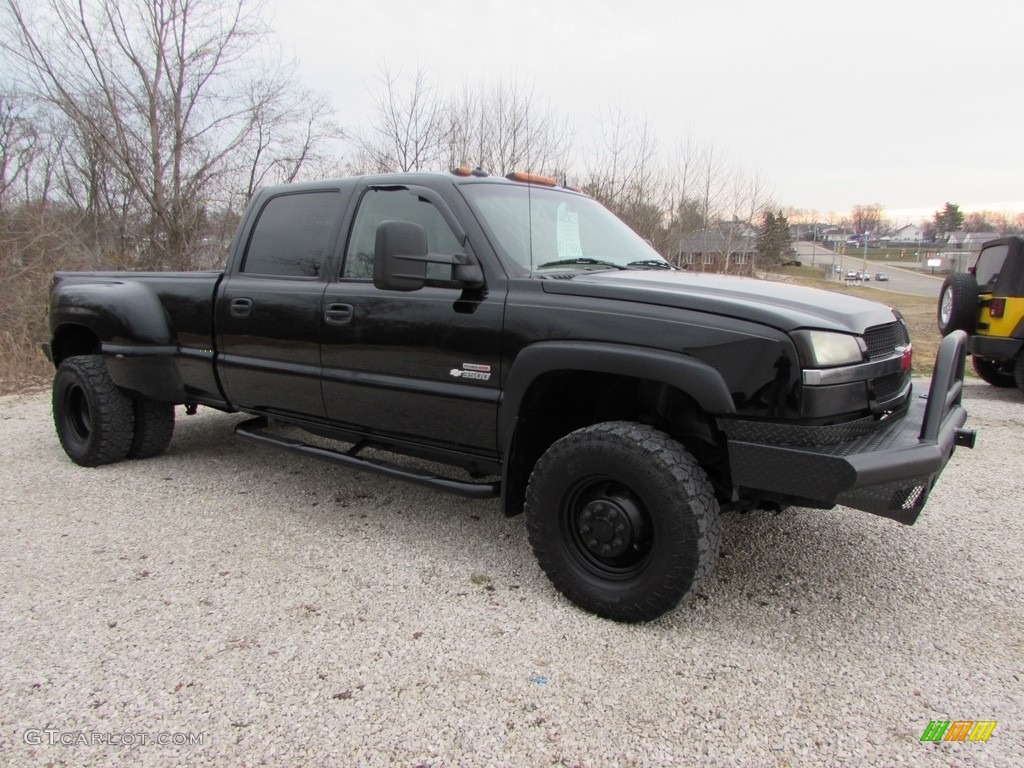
column 471, row 371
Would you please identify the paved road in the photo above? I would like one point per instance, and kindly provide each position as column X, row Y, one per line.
column 901, row 280
column 288, row 612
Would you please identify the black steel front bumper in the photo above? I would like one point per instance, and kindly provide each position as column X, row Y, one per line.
column 886, row 467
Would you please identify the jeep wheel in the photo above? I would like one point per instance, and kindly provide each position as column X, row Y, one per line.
column 998, row 373
column 154, row 427
column 958, row 303
column 1018, row 372
column 94, row 418
column 622, row 520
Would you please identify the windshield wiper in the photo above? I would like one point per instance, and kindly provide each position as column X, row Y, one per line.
column 582, row 261
column 652, row 263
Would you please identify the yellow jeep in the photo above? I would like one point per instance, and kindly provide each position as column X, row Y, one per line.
column 987, row 302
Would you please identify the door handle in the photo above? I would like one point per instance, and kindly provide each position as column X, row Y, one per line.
column 241, row 307
column 339, row 314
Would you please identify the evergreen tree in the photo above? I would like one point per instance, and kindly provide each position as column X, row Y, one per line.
column 949, row 219
column 773, row 241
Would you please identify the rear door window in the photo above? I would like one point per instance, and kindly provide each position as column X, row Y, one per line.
column 293, row 235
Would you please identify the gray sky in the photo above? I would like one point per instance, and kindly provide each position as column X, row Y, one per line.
column 907, row 103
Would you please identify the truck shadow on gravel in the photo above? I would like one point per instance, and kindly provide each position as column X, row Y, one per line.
column 792, row 566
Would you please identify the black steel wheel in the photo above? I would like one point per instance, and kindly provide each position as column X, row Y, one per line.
column 154, row 428
column 93, row 417
column 958, row 303
column 622, row 520
column 998, row 373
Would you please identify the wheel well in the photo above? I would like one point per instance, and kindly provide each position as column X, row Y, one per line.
column 71, row 340
column 561, row 402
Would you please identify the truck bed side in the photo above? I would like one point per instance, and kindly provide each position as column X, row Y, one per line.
column 154, row 330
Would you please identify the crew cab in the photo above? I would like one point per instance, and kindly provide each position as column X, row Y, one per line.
column 520, row 334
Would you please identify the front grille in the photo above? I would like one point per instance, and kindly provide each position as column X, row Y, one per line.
column 885, row 387
column 882, row 340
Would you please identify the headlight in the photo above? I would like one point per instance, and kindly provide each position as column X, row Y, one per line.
column 825, row 349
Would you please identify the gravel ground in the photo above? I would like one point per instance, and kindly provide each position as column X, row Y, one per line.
column 287, row 612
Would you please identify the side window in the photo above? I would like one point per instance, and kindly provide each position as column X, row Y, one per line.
column 379, row 205
column 989, row 266
column 292, row 235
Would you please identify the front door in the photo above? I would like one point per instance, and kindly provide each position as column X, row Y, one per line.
column 421, row 366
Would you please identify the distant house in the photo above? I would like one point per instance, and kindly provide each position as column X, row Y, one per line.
column 908, row 234
column 837, row 235
column 968, row 241
column 729, row 246
column 975, row 240
column 955, row 239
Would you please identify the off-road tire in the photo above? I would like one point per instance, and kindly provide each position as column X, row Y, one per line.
column 998, row 373
column 154, row 428
column 93, row 417
column 622, row 520
column 958, row 304
column 1018, row 372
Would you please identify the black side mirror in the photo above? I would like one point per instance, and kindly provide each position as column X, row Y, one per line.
column 400, row 260
column 398, row 256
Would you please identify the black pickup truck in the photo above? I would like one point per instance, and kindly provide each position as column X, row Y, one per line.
column 520, row 334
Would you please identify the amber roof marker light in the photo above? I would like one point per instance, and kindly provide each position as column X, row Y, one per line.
column 532, row 178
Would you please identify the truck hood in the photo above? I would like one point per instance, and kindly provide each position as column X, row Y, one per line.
column 779, row 305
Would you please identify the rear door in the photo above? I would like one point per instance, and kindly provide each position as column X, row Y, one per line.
column 268, row 313
column 421, row 366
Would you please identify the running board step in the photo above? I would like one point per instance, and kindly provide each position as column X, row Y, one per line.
column 257, row 430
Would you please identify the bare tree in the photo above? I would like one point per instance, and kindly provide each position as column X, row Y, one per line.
column 498, row 127
column 513, row 133
column 626, row 175
column 711, row 178
column 166, row 92
column 867, row 218
column 292, row 133
column 20, row 146
column 409, row 128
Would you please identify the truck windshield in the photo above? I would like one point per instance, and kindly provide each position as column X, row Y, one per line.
column 545, row 230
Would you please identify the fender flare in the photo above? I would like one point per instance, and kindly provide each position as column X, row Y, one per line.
column 694, row 377
column 136, row 340
column 120, row 313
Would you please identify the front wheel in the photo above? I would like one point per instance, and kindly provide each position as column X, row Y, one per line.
column 94, row 418
column 622, row 520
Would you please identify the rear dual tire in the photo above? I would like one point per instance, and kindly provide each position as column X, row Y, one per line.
column 98, row 423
